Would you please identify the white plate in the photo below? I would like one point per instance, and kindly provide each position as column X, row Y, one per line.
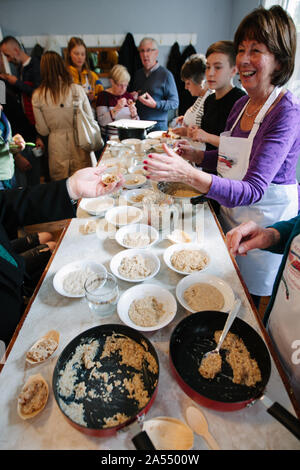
column 71, row 267
column 132, row 123
column 155, row 134
column 183, row 246
column 142, row 228
column 112, row 214
column 201, row 277
column 140, row 181
column 116, row 261
column 90, row 204
column 145, row 290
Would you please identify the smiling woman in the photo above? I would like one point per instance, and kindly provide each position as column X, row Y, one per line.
column 258, row 152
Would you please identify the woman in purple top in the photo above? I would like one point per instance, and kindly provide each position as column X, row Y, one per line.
column 258, row 152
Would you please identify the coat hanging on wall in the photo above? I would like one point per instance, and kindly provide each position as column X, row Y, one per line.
column 129, row 56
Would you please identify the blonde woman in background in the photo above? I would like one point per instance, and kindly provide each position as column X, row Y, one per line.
column 115, row 102
column 79, row 69
column 53, row 111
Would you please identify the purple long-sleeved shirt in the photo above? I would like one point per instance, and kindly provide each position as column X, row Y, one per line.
column 273, row 159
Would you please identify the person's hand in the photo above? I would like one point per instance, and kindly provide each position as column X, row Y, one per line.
column 135, row 95
column 249, row 235
column 9, row 78
column 132, row 108
column 17, row 144
column 187, row 151
column 120, row 104
column 198, row 135
column 22, row 163
column 147, row 100
column 179, row 120
column 182, row 131
column 167, row 167
column 87, row 182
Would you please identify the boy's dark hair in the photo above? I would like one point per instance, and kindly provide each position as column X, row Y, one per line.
column 223, row 47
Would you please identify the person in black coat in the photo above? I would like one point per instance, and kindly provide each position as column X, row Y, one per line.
column 38, row 204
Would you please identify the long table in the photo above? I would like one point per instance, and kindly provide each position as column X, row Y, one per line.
column 249, row 428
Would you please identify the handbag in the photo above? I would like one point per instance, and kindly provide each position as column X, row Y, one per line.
column 87, row 133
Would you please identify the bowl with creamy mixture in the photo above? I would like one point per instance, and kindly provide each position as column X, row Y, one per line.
column 137, row 236
column 147, row 307
column 201, row 291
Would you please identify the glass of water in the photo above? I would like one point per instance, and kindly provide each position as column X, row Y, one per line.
column 102, row 293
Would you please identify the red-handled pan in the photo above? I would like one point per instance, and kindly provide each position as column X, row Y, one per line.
column 89, row 389
column 192, row 338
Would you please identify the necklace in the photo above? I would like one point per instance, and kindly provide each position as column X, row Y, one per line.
column 254, row 112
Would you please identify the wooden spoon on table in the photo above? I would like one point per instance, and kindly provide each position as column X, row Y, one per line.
column 197, row 422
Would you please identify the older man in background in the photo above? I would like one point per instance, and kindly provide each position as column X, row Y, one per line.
column 155, row 85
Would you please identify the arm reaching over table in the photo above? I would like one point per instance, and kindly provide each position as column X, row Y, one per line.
column 249, row 235
column 87, row 182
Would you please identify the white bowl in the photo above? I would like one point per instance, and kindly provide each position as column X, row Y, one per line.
column 137, row 170
column 141, row 291
column 134, row 181
column 59, row 277
column 183, row 246
column 131, row 193
column 214, row 281
column 155, row 134
column 142, row 228
column 116, row 261
column 97, row 205
column 126, row 211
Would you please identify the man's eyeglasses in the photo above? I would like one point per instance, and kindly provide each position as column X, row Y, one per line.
column 146, row 51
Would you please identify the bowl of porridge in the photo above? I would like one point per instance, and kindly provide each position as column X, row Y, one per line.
column 134, row 180
column 137, row 236
column 135, row 265
column 123, row 215
column 147, row 307
column 186, row 258
column 97, row 205
column 69, row 280
column 201, row 291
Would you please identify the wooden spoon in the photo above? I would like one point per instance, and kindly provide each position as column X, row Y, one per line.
column 197, row 422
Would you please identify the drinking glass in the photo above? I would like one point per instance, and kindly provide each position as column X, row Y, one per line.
column 102, row 293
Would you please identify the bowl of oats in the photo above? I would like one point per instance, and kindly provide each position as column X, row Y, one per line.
column 134, row 180
column 135, row 265
column 186, row 258
column 137, row 236
column 123, row 215
column 147, row 307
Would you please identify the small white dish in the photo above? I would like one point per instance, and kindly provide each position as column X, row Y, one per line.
column 137, row 170
column 168, row 253
column 134, row 180
column 58, row 280
column 155, row 134
column 205, row 278
column 137, row 228
column 152, row 259
column 97, row 205
column 123, row 215
column 179, row 236
column 141, row 291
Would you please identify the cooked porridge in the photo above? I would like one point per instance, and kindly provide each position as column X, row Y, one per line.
column 135, row 267
column 146, row 312
column 136, row 239
column 73, row 283
column 189, row 261
column 203, row 296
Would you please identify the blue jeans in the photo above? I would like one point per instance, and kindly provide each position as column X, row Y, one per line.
column 8, row 184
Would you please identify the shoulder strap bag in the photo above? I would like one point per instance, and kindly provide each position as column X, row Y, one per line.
column 87, row 133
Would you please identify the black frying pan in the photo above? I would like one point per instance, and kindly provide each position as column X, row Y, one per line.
column 95, row 408
column 192, row 338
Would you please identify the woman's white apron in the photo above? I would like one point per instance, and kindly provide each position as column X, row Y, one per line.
column 279, row 202
column 284, row 320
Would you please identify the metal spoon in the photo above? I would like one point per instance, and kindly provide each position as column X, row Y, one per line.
column 229, row 321
column 198, row 423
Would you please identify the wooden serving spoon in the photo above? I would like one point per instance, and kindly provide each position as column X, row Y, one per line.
column 197, row 422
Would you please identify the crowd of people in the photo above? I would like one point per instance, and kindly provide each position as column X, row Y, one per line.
column 240, row 146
